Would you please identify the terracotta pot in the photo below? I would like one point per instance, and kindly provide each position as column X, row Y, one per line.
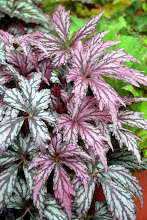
column 142, row 178
column 141, row 213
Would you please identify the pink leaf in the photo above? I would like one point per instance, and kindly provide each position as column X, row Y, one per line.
column 6, row 37
column 46, row 165
column 61, row 23
column 63, row 189
column 86, row 29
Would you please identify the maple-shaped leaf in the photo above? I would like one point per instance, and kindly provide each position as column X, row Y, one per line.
column 110, row 65
column 90, row 134
column 126, row 159
column 119, row 200
column 34, row 103
column 59, row 47
column 59, row 155
column 82, row 201
column 84, row 74
column 132, row 119
column 7, row 182
column 122, row 176
column 101, row 211
column 53, row 210
column 96, row 47
column 119, row 187
column 128, row 139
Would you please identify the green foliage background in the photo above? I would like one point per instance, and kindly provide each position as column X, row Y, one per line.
column 127, row 22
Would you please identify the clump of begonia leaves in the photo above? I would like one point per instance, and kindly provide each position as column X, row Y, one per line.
column 62, row 126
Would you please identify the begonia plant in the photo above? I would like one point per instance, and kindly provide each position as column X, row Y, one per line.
column 62, row 126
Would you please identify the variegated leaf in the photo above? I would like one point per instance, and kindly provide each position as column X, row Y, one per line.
column 9, row 113
column 20, row 195
column 84, row 73
column 20, row 61
column 77, row 126
column 124, row 178
column 86, row 30
column 59, row 155
column 5, row 37
column 82, row 201
column 103, row 126
column 5, row 77
column 13, row 97
column 8, row 156
column 35, row 100
column 46, row 116
column 128, row 139
column 2, row 52
column 63, row 189
column 101, row 211
column 47, row 165
column 24, row 145
column 29, row 177
column 120, row 201
column 96, row 49
column 39, row 132
column 2, row 89
column 125, row 158
column 61, row 23
column 54, row 77
column 8, row 131
column 97, row 38
column 24, row 10
column 53, row 46
column 129, row 100
column 107, row 97
column 132, row 119
column 110, row 65
column 40, row 202
column 7, row 182
column 46, row 69
column 53, row 210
